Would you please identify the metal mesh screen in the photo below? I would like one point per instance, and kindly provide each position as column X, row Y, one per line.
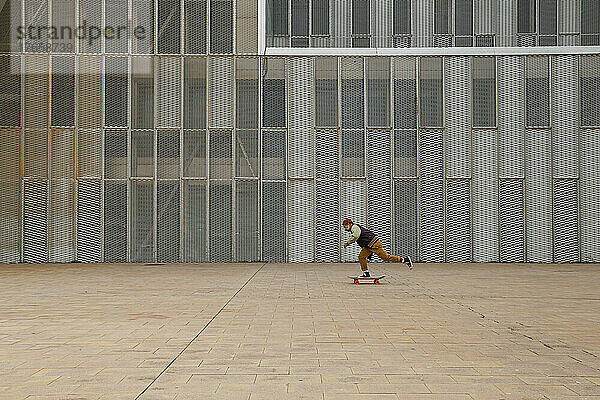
column 589, row 199
column 246, row 221
column 62, row 153
column 301, row 214
column 194, row 153
column 115, row 21
column 35, row 154
column 537, row 92
column 10, row 221
column 353, row 206
column 484, row 91
column 194, row 221
column 512, row 221
column 142, row 154
column 300, row 21
column 116, row 88
column 115, row 154
column 565, row 220
column 142, row 221
column 405, row 93
column 195, row 26
column 378, row 91
column 194, row 91
column 10, row 143
column 511, row 117
column 353, row 153
column 63, row 16
column 167, row 156
column 273, row 73
column 431, row 90
column 219, row 239
column 300, row 134
column 10, row 11
column 221, row 26
column 35, row 221
column 10, row 90
column 431, row 195
column 274, row 221
column 221, row 161
column 63, row 91
column 169, row 27
column 379, row 173
column 589, row 84
column 36, row 91
column 458, row 117
column 168, row 102
column 405, row 218
column 142, row 39
column 89, row 89
column 273, row 155
column 91, row 12
column 167, row 221
column 246, row 21
column 247, row 161
column 142, row 93
column 221, row 92
column 443, row 16
column 246, row 79
column 36, row 15
column 538, row 195
column 326, row 91
column 458, row 221
column 61, row 221
column 353, row 93
column 89, row 223
column 405, row 153
column 485, row 191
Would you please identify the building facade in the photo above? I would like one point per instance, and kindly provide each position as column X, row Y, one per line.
column 211, row 130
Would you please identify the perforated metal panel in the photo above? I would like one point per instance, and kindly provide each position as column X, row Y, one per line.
column 167, row 221
column 89, row 221
column 143, row 20
column 62, row 153
column 565, row 220
column 10, row 88
column 169, row 27
column 273, row 155
column 221, row 160
column 63, row 14
column 405, row 153
column 537, row 92
column 36, row 15
column 431, row 196
column 405, row 92
column 274, row 110
column 89, row 92
column 405, row 218
column 301, row 106
column 115, row 221
column 378, row 92
column 168, row 90
column 589, row 199
column 10, row 143
column 565, row 132
column 484, row 91
column 246, row 21
column 538, row 195
column 246, row 152
column 382, row 23
column 220, row 104
column 10, row 221
column 485, row 196
column 458, row 117
column 142, row 93
column 301, row 215
column 379, row 167
column 142, row 217
column 115, row 154
column 568, row 16
column 36, row 91
column 220, row 206
column 422, row 24
column 35, row 221
column 353, row 206
column 274, row 221
column 246, row 221
column 221, row 26
column 10, row 11
column 142, row 154
column 35, row 153
column 246, row 80
column 511, row 115
column 194, row 221
column 194, row 91
column 195, row 26
column 353, row 153
column 431, row 92
column 326, row 91
column 116, row 88
column 458, row 220
column 194, row 153
column 61, row 221
column 167, row 156
column 353, row 92
column 115, row 17
column 90, row 11
column 589, row 83
column 512, row 221
column 327, row 210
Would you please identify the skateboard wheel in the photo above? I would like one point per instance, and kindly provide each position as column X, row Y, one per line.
column 356, row 281
column 377, row 282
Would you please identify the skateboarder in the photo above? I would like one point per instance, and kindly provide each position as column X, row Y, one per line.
column 370, row 244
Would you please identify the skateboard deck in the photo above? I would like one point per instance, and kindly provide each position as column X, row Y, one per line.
column 372, row 279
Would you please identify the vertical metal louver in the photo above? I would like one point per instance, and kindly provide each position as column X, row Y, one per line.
column 142, row 221
column 506, row 23
column 89, row 154
column 246, row 221
column 382, row 23
column 458, row 220
column 220, row 105
column 458, row 117
column 589, row 199
column 35, row 221
column 565, row 219
column 423, row 22
column 300, row 133
column 379, row 173
column 89, row 92
column 142, row 93
column 405, row 218
column 194, row 220
column 221, row 26
column 511, row 219
column 220, row 231
column 274, row 222
column 168, row 92
column 115, row 221
column 167, row 221
column 353, row 206
column 89, row 223
column 341, row 26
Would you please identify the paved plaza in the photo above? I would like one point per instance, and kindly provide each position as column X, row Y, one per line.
column 299, row 331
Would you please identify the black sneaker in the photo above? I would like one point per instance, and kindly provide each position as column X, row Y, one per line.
column 408, row 262
column 365, row 274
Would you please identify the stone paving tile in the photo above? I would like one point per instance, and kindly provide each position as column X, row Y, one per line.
column 458, row 331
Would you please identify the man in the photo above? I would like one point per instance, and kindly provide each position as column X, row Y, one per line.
column 370, row 244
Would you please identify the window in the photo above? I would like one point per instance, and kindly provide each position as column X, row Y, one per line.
column 464, row 23
column 526, row 16
column 443, row 17
column 361, row 27
column 484, row 91
column 547, row 23
column 537, row 92
column 590, row 22
column 402, row 14
column 431, row 98
column 299, row 23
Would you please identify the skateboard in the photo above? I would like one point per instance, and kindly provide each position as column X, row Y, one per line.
column 373, row 279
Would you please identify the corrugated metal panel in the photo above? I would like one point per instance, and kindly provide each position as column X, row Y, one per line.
column 246, row 221
column 512, row 221
column 10, row 220
column 511, row 117
column 246, row 23
column 115, row 221
column 405, row 218
column 458, row 117
column 220, row 96
column 301, row 214
column 194, row 153
column 565, row 221
column 422, row 23
column 35, row 221
column 458, row 222
column 485, row 196
column 61, row 221
column 485, row 17
column 36, row 91
column 274, row 221
column 115, row 154
column 35, row 153
column 89, row 221
column 142, row 154
column 353, row 206
column 381, row 16
column 62, row 153
column 220, row 214
column 89, row 92
column 167, row 221
column 565, row 132
column 168, row 92
column 341, row 23
column 300, row 135
column 568, row 16
column 194, row 221
column 379, row 166
column 589, row 200
column 167, row 156
column 273, row 155
column 142, row 217
column 431, row 196
column 538, row 195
